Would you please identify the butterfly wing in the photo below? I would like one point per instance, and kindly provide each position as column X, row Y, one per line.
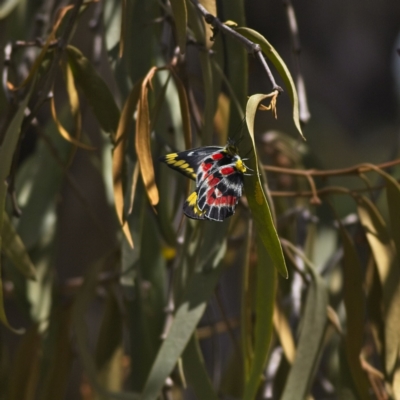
column 188, row 162
column 217, row 194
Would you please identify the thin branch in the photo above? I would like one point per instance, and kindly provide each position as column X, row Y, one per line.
column 250, row 46
column 304, row 112
column 354, row 170
column 324, row 192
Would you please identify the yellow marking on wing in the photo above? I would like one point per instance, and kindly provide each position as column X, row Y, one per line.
column 179, row 163
column 170, row 158
column 171, row 155
column 192, row 200
column 185, row 166
column 189, row 170
column 240, row 166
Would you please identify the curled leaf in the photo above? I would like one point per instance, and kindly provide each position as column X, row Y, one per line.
column 74, row 102
column 256, row 196
column 281, row 67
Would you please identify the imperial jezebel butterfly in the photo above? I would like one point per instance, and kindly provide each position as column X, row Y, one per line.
column 218, row 172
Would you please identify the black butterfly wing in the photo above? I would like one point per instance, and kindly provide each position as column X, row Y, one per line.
column 217, row 194
column 188, row 162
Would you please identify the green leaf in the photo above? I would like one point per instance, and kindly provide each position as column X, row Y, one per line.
column 256, row 196
column 7, row 148
column 15, row 250
column 180, row 17
column 195, row 371
column 265, row 298
column 310, row 343
column 197, row 293
column 96, row 91
column 387, row 263
column 354, row 301
column 281, row 67
column 7, row 7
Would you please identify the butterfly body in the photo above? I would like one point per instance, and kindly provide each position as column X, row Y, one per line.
column 218, row 172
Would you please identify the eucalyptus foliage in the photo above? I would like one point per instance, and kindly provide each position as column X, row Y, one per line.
column 108, row 292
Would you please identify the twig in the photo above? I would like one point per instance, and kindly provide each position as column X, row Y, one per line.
column 321, row 192
column 250, row 46
column 314, row 193
column 304, row 112
column 356, row 169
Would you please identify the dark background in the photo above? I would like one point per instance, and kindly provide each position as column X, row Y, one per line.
column 350, row 66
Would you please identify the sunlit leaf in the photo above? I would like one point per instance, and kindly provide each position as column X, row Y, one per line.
column 257, row 200
column 7, row 7
column 142, row 140
column 283, row 331
column 180, row 17
column 281, row 67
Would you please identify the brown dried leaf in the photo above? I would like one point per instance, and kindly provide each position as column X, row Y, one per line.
column 119, row 154
column 142, row 140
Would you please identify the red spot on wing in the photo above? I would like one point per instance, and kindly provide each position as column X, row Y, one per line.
column 212, row 181
column 227, row 170
column 217, row 156
column 205, row 167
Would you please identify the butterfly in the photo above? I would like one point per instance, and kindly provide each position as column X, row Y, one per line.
column 218, row 172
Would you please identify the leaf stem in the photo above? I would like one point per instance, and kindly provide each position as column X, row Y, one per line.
column 250, row 46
